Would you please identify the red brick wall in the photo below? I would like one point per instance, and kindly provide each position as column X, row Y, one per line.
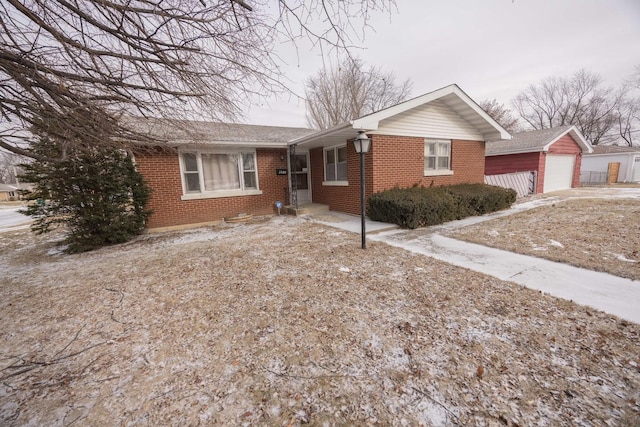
column 162, row 173
column 393, row 161
column 338, row 198
column 399, row 161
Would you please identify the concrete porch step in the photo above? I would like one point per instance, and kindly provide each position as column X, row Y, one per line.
column 307, row 209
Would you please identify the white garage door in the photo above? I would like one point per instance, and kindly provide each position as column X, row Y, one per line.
column 636, row 170
column 558, row 172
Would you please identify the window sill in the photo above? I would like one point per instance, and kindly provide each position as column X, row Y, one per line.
column 220, row 194
column 438, row 173
column 335, row 183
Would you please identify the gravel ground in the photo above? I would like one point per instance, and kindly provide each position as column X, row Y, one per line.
column 282, row 321
column 600, row 235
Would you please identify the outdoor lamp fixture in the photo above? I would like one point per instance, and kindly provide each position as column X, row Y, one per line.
column 362, row 144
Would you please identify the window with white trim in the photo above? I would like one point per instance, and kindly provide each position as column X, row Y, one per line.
column 335, row 163
column 216, row 172
column 437, row 155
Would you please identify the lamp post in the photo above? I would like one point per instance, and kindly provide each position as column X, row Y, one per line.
column 362, row 144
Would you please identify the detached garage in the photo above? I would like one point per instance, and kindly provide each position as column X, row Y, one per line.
column 551, row 156
column 626, row 159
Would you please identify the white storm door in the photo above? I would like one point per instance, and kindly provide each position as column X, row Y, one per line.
column 300, row 176
column 635, row 177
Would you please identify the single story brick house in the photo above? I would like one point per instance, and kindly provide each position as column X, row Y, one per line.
column 220, row 170
column 603, row 155
column 434, row 139
column 553, row 155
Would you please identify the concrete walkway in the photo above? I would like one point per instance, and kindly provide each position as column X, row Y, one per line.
column 611, row 294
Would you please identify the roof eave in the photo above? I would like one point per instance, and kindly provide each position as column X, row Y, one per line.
column 521, row 151
column 253, row 144
column 577, row 137
column 372, row 121
column 311, row 138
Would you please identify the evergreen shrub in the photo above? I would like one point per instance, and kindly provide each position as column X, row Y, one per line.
column 94, row 192
column 420, row 206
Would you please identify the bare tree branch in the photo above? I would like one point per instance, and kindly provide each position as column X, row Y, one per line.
column 579, row 100
column 348, row 91
column 501, row 114
column 70, row 70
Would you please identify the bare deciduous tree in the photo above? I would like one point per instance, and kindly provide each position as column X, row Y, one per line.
column 501, row 114
column 69, row 69
column 628, row 119
column 628, row 115
column 338, row 94
column 579, row 100
column 9, row 166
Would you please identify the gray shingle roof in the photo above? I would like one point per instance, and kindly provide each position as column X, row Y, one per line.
column 613, row 149
column 525, row 142
column 188, row 131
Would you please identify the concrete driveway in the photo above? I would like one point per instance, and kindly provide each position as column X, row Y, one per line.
column 615, row 295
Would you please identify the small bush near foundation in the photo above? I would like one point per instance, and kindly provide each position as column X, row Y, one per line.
column 420, row 207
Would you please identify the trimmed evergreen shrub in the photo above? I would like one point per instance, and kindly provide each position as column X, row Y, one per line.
column 420, row 206
column 95, row 192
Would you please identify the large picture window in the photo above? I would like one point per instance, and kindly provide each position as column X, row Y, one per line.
column 335, row 163
column 437, row 156
column 218, row 173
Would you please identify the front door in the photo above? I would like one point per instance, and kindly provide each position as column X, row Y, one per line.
column 300, row 176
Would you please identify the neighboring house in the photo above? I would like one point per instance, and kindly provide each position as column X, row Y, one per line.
column 12, row 192
column 434, row 139
column 553, row 156
column 598, row 163
column 215, row 170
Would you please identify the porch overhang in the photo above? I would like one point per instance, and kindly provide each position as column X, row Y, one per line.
column 336, row 135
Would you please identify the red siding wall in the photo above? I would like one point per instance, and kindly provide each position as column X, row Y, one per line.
column 508, row 163
column 524, row 162
column 393, row 161
column 162, row 173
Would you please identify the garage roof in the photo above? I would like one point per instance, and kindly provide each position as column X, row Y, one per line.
column 535, row 141
column 614, row 149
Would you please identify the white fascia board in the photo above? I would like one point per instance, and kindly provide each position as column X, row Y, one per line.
column 505, row 153
column 254, row 144
column 577, row 136
column 319, row 134
column 475, row 107
column 372, row 121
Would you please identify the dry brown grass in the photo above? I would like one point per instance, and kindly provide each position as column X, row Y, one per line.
column 600, row 235
column 282, row 322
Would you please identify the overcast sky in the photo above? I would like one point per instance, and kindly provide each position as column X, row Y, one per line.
column 490, row 48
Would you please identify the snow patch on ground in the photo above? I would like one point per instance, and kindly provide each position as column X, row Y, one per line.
column 556, row 243
column 621, row 257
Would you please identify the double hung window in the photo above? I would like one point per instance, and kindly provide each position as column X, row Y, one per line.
column 218, row 172
column 335, row 163
column 437, row 156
